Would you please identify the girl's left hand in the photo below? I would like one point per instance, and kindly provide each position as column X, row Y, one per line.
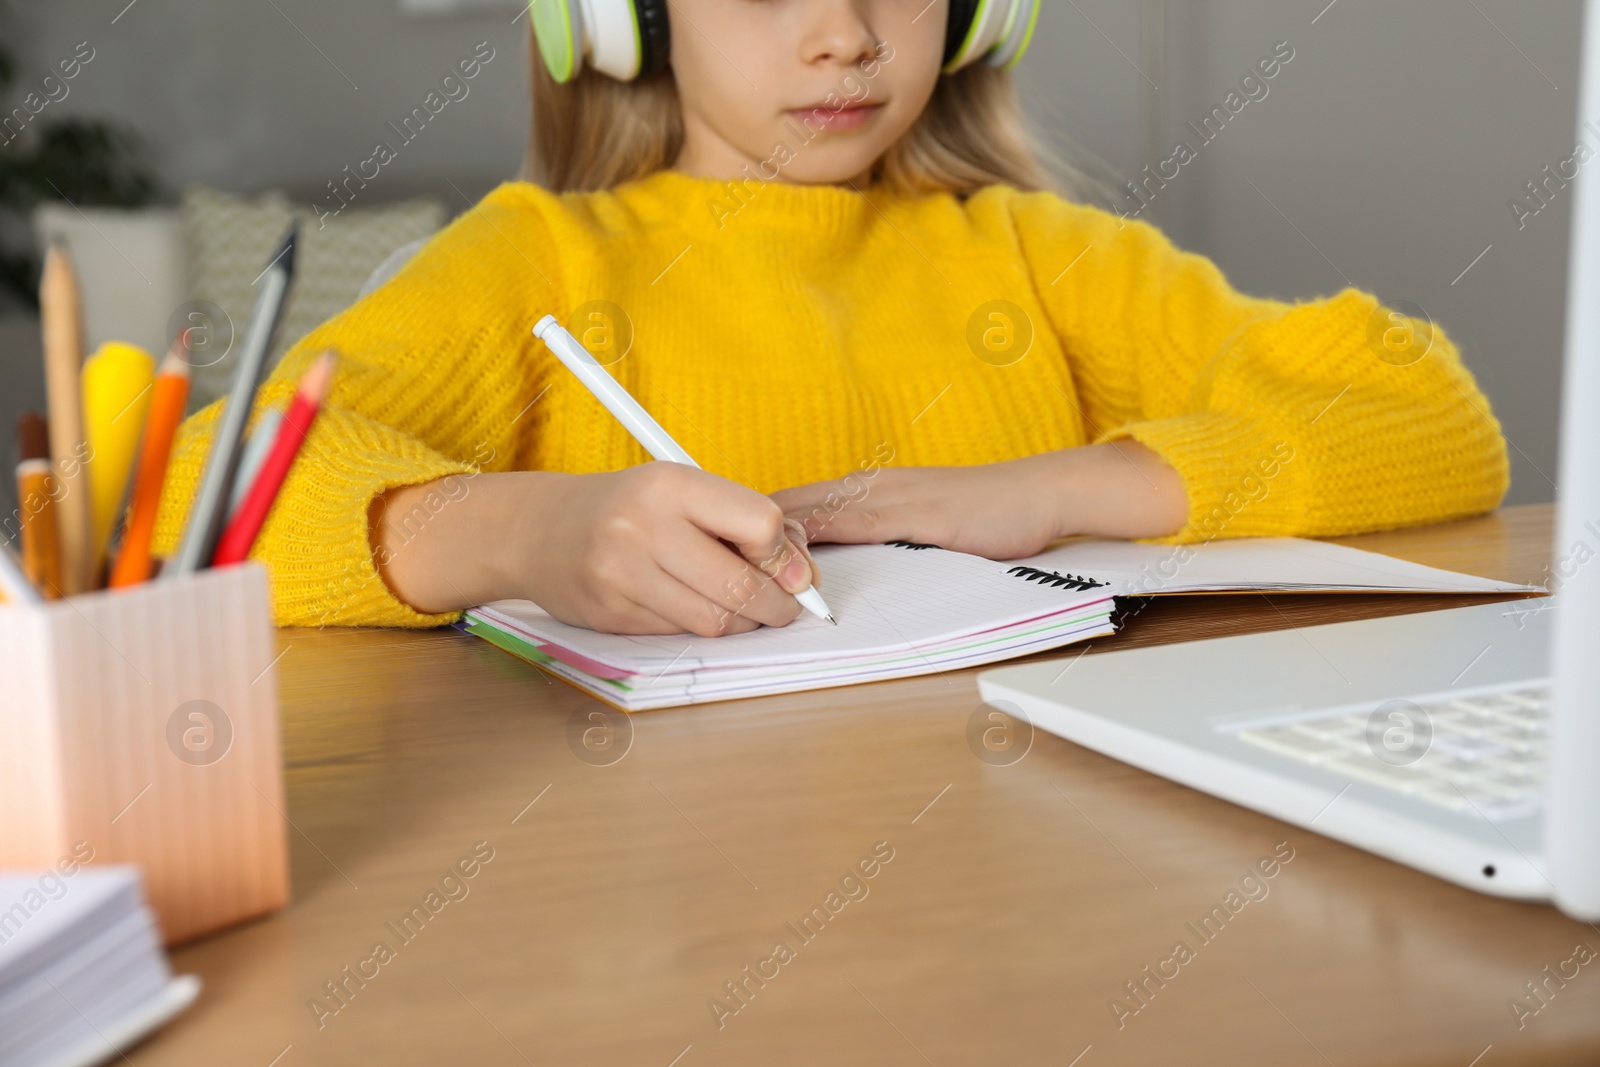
column 999, row 510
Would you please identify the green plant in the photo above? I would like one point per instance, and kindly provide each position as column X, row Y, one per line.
column 86, row 162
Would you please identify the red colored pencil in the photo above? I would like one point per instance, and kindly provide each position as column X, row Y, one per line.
column 240, row 536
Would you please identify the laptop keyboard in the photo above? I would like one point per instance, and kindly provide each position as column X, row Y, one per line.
column 1481, row 753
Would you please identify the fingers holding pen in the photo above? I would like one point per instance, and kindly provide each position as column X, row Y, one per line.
column 733, row 588
column 723, row 509
column 755, row 527
column 665, row 547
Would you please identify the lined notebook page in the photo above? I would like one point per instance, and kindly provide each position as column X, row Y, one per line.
column 886, row 598
column 1269, row 563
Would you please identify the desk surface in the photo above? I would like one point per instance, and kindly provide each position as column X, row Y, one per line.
column 1018, row 902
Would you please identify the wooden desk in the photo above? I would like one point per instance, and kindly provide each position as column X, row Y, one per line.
column 1018, row 902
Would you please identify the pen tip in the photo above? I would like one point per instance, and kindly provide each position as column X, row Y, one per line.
column 285, row 256
column 833, row 620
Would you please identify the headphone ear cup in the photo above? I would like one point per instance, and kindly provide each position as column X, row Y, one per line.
column 559, row 34
column 962, row 14
column 1017, row 36
column 655, row 36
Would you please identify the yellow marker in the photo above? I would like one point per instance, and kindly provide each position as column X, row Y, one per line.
column 117, row 382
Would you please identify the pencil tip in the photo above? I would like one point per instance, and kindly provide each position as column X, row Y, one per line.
column 319, row 377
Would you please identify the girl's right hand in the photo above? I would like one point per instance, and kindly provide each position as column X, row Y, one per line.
column 661, row 548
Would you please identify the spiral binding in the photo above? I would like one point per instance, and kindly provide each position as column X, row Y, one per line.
column 1057, row 580
column 1053, row 579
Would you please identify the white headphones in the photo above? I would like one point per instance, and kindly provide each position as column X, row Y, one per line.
column 629, row 38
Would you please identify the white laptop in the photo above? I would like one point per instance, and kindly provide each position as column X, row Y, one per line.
column 1465, row 743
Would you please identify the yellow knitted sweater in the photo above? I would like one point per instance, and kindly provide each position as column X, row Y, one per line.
column 785, row 334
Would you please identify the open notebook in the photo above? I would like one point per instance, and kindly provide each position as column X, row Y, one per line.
column 1257, row 564
column 915, row 609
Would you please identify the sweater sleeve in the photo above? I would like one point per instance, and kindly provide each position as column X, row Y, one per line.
column 1312, row 419
column 432, row 377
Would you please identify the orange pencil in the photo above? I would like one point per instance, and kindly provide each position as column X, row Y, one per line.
column 240, row 536
column 167, row 401
column 41, row 542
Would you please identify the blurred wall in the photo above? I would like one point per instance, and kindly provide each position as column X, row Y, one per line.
column 247, row 95
column 1382, row 155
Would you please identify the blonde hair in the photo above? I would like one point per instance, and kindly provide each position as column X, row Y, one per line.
column 595, row 132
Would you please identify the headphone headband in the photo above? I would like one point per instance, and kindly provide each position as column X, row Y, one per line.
column 629, row 38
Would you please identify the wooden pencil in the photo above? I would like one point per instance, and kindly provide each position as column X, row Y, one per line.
column 61, row 314
column 41, row 543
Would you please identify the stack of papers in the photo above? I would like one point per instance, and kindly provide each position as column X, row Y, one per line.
column 82, row 972
column 916, row 609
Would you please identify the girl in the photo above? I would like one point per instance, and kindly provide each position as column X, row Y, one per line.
column 812, row 238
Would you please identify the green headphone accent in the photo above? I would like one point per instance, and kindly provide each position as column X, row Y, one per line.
column 627, row 39
column 553, row 29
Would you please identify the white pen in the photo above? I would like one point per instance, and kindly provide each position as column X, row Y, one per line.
column 646, row 430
